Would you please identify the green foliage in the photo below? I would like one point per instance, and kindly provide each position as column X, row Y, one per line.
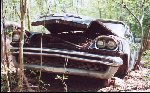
column 148, row 55
column 146, row 20
column 147, row 58
column 4, row 87
column 13, row 79
column 63, row 78
column 147, row 64
column 108, row 9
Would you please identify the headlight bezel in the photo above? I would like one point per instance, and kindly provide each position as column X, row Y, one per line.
column 107, row 41
column 101, row 46
column 110, row 46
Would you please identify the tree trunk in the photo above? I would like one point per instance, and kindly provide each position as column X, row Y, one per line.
column 147, row 40
column 2, row 34
column 145, row 46
column 4, row 50
column 21, row 71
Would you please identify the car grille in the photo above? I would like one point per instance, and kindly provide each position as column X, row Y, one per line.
column 64, row 62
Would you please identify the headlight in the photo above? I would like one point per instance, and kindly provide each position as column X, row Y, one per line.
column 16, row 37
column 101, row 43
column 111, row 44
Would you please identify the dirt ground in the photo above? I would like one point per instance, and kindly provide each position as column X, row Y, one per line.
column 135, row 81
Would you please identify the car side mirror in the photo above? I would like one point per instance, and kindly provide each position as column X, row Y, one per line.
column 137, row 40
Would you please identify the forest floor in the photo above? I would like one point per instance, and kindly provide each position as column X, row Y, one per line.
column 135, row 81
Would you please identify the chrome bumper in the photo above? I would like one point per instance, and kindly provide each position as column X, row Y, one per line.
column 102, row 75
column 113, row 62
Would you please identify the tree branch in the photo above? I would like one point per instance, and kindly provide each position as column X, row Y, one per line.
column 142, row 34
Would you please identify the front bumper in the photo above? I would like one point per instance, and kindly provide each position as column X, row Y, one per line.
column 113, row 63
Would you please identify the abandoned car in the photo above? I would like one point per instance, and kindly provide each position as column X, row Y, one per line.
column 78, row 45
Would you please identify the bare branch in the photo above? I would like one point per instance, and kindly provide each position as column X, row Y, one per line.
column 142, row 17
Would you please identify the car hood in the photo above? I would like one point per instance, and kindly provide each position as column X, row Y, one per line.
column 57, row 23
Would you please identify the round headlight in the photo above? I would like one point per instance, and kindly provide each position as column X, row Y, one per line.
column 111, row 44
column 101, row 43
column 16, row 37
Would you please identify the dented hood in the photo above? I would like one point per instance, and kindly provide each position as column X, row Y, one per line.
column 57, row 23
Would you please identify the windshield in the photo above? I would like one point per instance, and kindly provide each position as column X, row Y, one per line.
column 118, row 29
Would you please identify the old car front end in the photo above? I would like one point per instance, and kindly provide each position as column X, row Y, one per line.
column 74, row 52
